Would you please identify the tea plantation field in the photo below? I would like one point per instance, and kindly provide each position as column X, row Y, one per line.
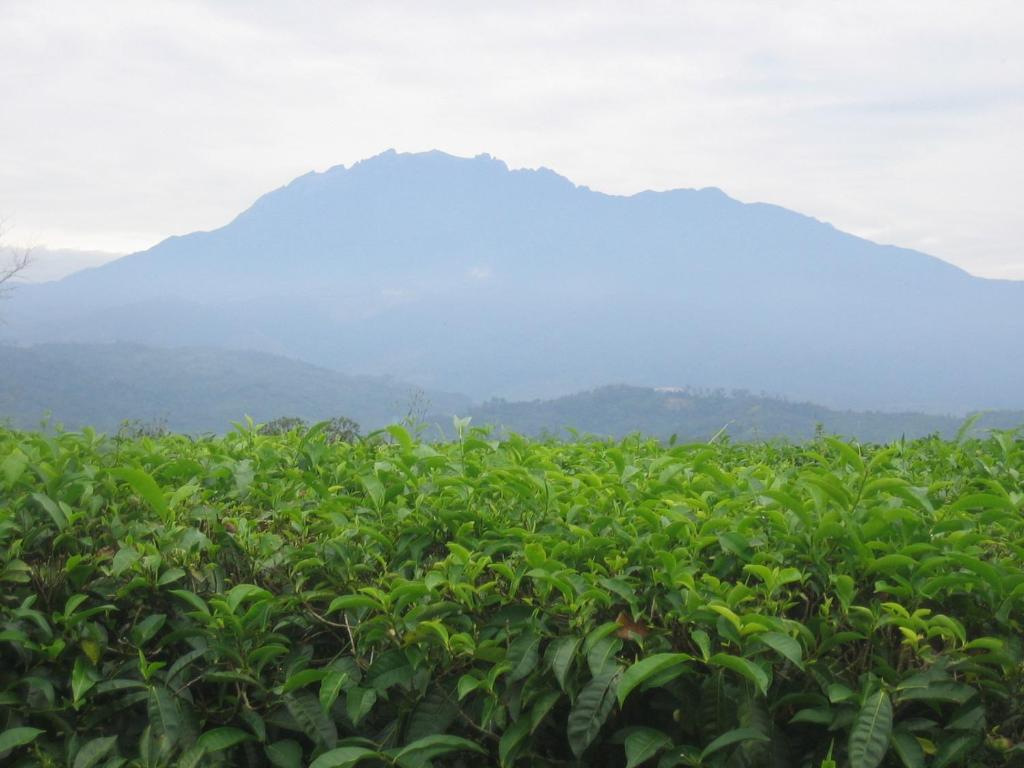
column 259, row 600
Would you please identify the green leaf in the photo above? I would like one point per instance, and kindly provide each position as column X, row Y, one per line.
column 192, row 599
column 522, row 655
column 560, row 655
column 434, row 712
column 12, row 467
column 359, row 702
column 965, row 427
column 286, row 753
column 744, row 667
column 257, row 725
column 125, row 558
column 374, row 489
column 190, row 758
column 735, row 736
column 303, row 678
column 838, row 693
column 602, row 654
column 511, row 740
column 591, row 709
column 338, row 676
column 644, row 743
column 908, row 748
column 421, row 752
column 972, row 719
column 816, row 715
column 119, row 684
column 144, row 485
column 14, row 636
column 981, row 501
column 466, row 685
column 953, row 750
column 243, row 592
column 305, row 708
column 223, row 738
column 18, row 737
column 53, row 510
column 401, row 437
column 389, row 669
column 170, row 576
column 847, row 451
column 869, row 737
column 343, row 757
column 165, row 715
column 646, row 668
column 83, row 677
column 784, row 645
column 93, row 751
column 182, row 493
column 734, row 543
column 893, row 563
column 956, row 693
column 351, row 602
column 541, row 707
column 144, row 631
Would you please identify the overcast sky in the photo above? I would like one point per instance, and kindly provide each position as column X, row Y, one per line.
column 126, row 122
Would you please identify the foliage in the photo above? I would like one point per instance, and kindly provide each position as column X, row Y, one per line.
column 283, row 600
column 282, row 425
column 338, row 429
column 133, row 429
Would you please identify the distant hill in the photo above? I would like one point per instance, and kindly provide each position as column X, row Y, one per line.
column 462, row 275
column 196, row 390
column 698, row 416
column 191, row 390
column 55, row 263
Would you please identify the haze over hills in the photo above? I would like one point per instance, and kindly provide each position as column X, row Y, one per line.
column 462, row 275
column 192, row 389
column 700, row 416
column 198, row 390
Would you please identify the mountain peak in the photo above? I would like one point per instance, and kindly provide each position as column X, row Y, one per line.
column 434, row 157
column 483, row 164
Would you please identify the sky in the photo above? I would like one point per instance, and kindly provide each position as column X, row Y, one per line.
column 127, row 122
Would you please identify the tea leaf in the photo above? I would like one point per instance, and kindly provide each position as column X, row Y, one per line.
column 591, row 709
column 869, row 738
column 640, row 672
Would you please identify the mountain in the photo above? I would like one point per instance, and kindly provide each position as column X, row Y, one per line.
column 191, row 390
column 462, row 275
column 196, row 390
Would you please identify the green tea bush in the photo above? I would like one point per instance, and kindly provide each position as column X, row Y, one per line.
column 283, row 600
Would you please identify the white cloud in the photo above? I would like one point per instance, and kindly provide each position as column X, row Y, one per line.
column 126, row 122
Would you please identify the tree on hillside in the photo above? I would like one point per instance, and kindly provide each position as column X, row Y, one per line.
column 340, row 429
